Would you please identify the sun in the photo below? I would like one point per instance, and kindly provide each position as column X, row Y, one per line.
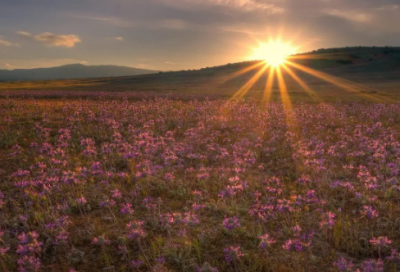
column 274, row 52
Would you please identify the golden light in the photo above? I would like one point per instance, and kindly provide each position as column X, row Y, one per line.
column 274, row 52
column 279, row 60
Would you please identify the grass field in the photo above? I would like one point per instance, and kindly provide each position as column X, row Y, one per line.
column 152, row 183
column 208, row 170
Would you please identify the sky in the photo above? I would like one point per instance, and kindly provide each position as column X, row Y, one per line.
column 183, row 34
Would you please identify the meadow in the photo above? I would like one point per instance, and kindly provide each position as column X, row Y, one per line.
column 155, row 183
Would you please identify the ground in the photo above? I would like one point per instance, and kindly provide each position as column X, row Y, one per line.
column 150, row 182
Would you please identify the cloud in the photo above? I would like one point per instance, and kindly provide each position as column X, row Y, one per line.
column 244, row 5
column 7, row 43
column 389, row 7
column 108, row 20
column 69, row 61
column 242, row 30
column 120, row 39
column 39, row 63
column 142, row 65
column 8, row 66
column 349, row 15
column 24, row 34
column 249, row 5
column 120, row 22
column 58, row 40
column 173, row 24
column 52, row 39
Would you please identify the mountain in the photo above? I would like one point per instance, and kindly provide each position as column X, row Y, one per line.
column 71, row 71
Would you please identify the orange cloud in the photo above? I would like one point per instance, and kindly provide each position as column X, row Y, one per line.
column 7, row 43
column 53, row 39
column 120, row 39
column 58, row 40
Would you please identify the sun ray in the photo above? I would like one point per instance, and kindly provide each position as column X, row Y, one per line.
column 300, row 82
column 278, row 57
column 268, row 86
column 242, row 92
column 343, row 83
column 244, row 70
column 283, row 89
column 286, row 102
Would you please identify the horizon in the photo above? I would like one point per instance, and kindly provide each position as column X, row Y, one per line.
column 205, row 67
column 174, row 35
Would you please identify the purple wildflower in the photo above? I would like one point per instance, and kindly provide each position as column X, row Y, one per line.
column 266, row 241
column 232, row 253
column 231, row 223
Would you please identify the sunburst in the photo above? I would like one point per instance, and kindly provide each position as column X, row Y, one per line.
column 274, row 52
column 278, row 60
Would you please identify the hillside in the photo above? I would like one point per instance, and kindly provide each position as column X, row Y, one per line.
column 373, row 69
column 72, row 71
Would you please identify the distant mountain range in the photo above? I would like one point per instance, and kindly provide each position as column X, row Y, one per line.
column 71, row 71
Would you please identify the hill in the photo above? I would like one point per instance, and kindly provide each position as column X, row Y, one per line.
column 71, row 71
column 372, row 70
